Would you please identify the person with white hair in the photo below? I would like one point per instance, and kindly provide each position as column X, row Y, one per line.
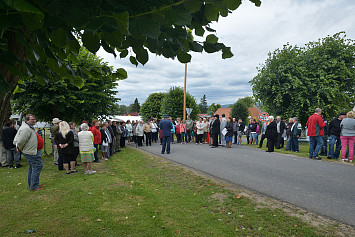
column 271, row 134
column 86, row 148
column 64, row 140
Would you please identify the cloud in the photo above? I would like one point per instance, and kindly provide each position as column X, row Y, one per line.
column 252, row 32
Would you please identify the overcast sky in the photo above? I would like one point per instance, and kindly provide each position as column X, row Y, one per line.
column 251, row 32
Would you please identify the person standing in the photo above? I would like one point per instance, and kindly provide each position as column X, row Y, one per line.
column 205, row 131
column 177, row 130
column 30, row 144
column 295, row 134
column 172, row 131
column 76, row 139
column 140, row 133
column 200, row 126
column 148, row 133
column 281, row 126
column 215, row 129
column 64, row 139
column 104, row 142
column 86, row 147
column 166, row 126
column 8, row 135
column 118, row 137
column 315, row 124
column 97, row 138
column 189, row 129
column 347, row 135
column 54, row 128
column 229, row 134
column 183, row 131
column 288, row 135
column 223, row 125
column 154, row 131
column 235, row 130
column 334, row 136
column 113, row 137
column 241, row 130
column 262, row 131
column 324, row 148
column 271, row 134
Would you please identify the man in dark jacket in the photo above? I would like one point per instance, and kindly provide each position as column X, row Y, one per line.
column 8, row 135
column 166, row 126
column 334, row 136
column 215, row 131
column 241, row 130
column 295, row 133
column 324, row 149
column 271, row 134
column 235, row 130
column 280, row 126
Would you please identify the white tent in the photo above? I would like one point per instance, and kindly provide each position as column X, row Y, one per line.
column 125, row 118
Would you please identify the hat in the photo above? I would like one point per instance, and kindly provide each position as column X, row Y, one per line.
column 56, row 120
column 166, row 116
column 216, row 115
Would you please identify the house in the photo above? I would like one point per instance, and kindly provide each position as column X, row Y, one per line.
column 132, row 114
column 253, row 111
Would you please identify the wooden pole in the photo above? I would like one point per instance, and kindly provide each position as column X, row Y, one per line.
column 184, row 112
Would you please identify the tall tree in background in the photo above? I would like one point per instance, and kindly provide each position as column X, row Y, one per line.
column 203, row 105
column 151, row 108
column 240, row 110
column 135, row 107
column 173, row 103
column 64, row 100
column 248, row 101
column 37, row 37
column 214, row 107
column 294, row 80
column 122, row 109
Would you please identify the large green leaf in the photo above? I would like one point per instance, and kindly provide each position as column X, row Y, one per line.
column 58, row 37
column 226, row 53
column 212, row 39
column 124, row 53
column 107, row 48
column 121, row 73
column 210, row 48
column 233, row 4
column 178, row 17
column 133, row 60
column 183, row 57
column 193, row 5
column 141, row 26
column 32, row 21
column 91, row 41
column 199, row 31
column 211, row 12
column 22, row 6
column 194, row 46
column 53, row 65
column 141, row 55
column 122, row 21
column 256, row 2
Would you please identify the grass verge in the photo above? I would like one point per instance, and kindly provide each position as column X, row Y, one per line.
column 136, row 194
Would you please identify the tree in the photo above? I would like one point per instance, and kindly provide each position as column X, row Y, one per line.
column 203, row 105
column 151, row 108
column 240, row 110
column 36, row 33
column 122, row 109
column 248, row 101
column 61, row 99
column 214, row 107
column 135, row 107
column 294, row 80
column 173, row 103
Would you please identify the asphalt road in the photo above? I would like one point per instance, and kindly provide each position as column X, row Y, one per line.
column 321, row 187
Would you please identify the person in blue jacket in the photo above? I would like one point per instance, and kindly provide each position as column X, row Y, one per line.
column 166, row 126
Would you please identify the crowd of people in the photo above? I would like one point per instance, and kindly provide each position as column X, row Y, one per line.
column 69, row 141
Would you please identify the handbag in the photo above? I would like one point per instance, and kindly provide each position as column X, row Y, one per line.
column 104, row 143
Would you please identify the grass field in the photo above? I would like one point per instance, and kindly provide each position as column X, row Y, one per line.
column 136, row 194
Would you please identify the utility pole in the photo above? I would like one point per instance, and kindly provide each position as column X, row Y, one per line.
column 184, row 112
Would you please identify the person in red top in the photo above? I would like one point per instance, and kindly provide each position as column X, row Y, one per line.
column 315, row 132
column 97, row 138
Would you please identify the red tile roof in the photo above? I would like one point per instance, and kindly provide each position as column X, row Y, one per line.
column 225, row 111
column 253, row 111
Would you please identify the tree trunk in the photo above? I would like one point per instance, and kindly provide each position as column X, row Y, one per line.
column 10, row 78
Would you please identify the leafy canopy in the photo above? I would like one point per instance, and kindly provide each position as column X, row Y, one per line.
column 294, row 80
column 173, row 103
column 203, row 105
column 151, row 108
column 240, row 109
column 50, row 32
column 62, row 99
column 214, row 107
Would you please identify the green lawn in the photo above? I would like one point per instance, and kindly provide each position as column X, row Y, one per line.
column 135, row 194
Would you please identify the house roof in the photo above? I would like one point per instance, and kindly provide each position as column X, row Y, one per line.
column 132, row 114
column 253, row 111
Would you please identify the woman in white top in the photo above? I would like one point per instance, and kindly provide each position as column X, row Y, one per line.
column 86, row 148
column 200, row 126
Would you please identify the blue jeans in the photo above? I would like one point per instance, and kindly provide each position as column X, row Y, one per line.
column 289, row 144
column 315, row 145
column 35, row 166
column 334, row 140
column 166, row 143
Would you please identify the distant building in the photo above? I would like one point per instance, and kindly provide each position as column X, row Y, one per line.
column 131, row 114
column 253, row 111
